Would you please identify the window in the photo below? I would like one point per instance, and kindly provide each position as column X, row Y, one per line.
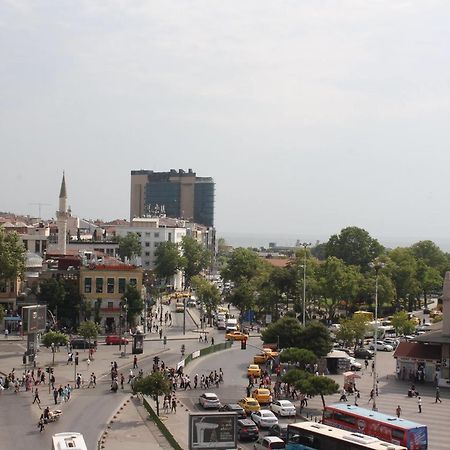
column 25, row 244
column 147, row 244
column 133, row 281
column 156, row 244
column 122, row 284
column 110, row 305
column 147, row 234
column 170, row 237
column 110, row 286
column 99, row 285
column 87, row 285
column 398, row 434
column 147, row 253
column 147, row 263
column 350, row 420
column 156, row 235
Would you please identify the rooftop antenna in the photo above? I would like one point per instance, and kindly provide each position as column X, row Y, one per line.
column 40, row 205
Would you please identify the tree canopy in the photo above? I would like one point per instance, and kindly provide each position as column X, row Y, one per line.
column 168, row 260
column 129, row 246
column 134, row 303
column 12, row 256
column 89, row 330
column 196, row 258
column 154, row 385
column 207, row 293
column 354, row 246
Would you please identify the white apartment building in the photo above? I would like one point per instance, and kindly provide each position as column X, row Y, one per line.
column 152, row 232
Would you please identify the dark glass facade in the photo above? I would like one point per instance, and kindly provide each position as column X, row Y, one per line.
column 164, row 193
column 204, row 203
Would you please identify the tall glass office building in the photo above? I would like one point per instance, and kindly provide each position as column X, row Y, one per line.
column 182, row 194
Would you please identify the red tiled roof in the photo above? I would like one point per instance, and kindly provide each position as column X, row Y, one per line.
column 278, row 262
column 416, row 350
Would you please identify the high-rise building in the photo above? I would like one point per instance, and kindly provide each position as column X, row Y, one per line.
column 178, row 194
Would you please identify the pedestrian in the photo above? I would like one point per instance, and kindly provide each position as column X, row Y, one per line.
column 438, row 396
column 212, row 341
column 6, row 333
column 122, row 379
column 366, row 362
column 419, row 403
column 55, row 395
column 371, row 396
column 88, row 362
column 36, row 398
column 373, row 366
column 174, row 406
column 398, row 411
column 135, row 364
column 160, row 333
column 41, row 423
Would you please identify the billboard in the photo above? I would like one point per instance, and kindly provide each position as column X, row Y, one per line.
column 212, row 430
column 34, row 318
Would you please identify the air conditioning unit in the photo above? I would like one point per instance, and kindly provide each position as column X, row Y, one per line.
column 444, row 363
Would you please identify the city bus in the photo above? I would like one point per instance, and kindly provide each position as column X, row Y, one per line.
column 388, row 428
column 68, row 440
column 316, row 436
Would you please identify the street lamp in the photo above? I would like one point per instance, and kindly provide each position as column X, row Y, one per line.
column 125, row 309
column 377, row 266
column 305, row 245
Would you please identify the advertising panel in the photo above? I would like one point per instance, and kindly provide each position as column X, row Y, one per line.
column 34, row 318
column 212, row 430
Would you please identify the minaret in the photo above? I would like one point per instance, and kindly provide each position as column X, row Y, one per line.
column 61, row 218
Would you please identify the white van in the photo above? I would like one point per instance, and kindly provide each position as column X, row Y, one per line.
column 69, row 441
column 231, row 325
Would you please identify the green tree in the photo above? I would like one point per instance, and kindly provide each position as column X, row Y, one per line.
column 56, row 338
column 207, row 293
column 53, row 293
column 293, row 376
column 243, row 296
column 12, row 256
column 298, row 356
column 354, row 246
column 134, row 303
column 129, row 245
column 402, row 324
column 431, row 255
column 154, row 385
column 352, row 331
column 89, row 330
column 97, row 306
column 286, row 332
column 168, row 260
column 2, row 313
column 316, row 338
column 195, row 258
column 243, row 264
column 317, row 385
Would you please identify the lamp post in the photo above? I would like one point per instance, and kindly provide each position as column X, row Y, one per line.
column 305, row 245
column 125, row 309
column 377, row 266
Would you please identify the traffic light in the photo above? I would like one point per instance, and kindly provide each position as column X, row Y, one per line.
column 165, row 340
column 243, row 345
column 47, row 369
column 183, row 349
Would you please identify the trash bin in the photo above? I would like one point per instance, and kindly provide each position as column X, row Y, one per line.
column 138, row 344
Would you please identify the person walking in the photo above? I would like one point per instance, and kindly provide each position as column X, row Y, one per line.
column 36, row 398
column 135, row 364
column 55, row 395
column 174, row 406
column 366, row 362
column 41, row 423
column 419, row 403
column 398, row 411
column 438, row 396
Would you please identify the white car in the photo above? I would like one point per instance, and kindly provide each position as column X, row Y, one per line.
column 354, row 365
column 283, row 408
column 209, row 400
column 264, row 418
column 381, row 346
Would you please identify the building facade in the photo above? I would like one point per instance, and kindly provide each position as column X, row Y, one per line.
column 103, row 286
column 178, row 194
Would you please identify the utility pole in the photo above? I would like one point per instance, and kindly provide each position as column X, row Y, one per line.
column 39, row 205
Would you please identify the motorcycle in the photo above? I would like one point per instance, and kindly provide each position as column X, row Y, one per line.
column 53, row 416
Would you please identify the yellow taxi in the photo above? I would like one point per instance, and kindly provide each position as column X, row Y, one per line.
column 236, row 336
column 254, row 370
column 249, row 405
column 265, row 356
column 263, row 396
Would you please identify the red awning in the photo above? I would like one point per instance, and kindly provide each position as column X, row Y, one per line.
column 417, row 350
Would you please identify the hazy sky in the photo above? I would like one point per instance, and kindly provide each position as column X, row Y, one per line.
column 310, row 115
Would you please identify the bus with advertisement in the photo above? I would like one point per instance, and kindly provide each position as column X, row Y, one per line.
column 388, row 428
column 316, row 436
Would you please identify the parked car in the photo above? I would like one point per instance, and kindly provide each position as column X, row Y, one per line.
column 115, row 340
column 283, row 408
column 208, row 400
column 79, row 343
column 264, row 418
column 355, row 365
column 249, row 405
column 262, row 395
column 191, row 303
column 392, row 341
column 381, row 346
column 234, row 407
column 269, row 442
column 278, row 430
column 363, row 353
column 247, row 430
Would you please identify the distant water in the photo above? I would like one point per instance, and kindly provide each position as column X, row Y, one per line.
column 258, row 240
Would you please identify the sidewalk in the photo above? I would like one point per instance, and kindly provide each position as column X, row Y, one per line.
column 132, row 429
